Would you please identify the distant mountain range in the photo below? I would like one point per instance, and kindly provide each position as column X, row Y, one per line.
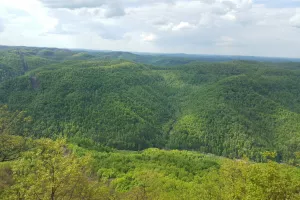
column 192, row 57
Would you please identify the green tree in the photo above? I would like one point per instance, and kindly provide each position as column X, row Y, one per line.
column 12, row 123
column 51, row 171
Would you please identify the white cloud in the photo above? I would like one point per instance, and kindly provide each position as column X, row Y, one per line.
column 73, row 4
column 166, row 27
column 114, row 10
column 29, row 15
column 229, row 17
column 190, row 26
column 183, row 25
column 148, row 37
column 1, row 25
column 174, row 27
column 295, row 20
column 225, row 41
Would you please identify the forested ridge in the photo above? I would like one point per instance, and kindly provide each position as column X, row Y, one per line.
column 107, row 114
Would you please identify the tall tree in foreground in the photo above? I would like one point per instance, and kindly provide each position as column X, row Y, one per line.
column 52, row 172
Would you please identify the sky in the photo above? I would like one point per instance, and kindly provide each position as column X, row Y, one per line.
column 223, row 27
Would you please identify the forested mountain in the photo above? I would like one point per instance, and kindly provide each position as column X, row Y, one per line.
column 117, row 125
column 230, row 109
column 47, row 169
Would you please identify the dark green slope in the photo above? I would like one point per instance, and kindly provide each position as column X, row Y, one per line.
column 236, row 109
column 232, row 109
column 10, row 65
column 119, row 105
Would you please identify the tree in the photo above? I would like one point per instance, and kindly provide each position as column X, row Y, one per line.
column 51, row 171
column 11, row 145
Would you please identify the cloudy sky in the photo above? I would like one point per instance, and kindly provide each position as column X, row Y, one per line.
column 232, row 27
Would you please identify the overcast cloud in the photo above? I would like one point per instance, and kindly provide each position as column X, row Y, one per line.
column 1, row 26
column 239, row 27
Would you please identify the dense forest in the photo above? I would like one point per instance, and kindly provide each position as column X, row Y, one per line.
column 117, row 125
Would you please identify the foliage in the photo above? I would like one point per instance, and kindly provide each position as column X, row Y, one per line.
column 50, row 171
column 57, row 170
column 98, row 99
column 12, row 122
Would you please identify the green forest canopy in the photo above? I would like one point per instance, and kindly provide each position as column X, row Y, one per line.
column 232, row 109
column 96, row 107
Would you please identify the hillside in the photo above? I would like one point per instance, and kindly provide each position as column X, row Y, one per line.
column 231, row 109
column 46, row 169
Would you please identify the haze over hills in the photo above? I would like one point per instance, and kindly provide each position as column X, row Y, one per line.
column 162, row 58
